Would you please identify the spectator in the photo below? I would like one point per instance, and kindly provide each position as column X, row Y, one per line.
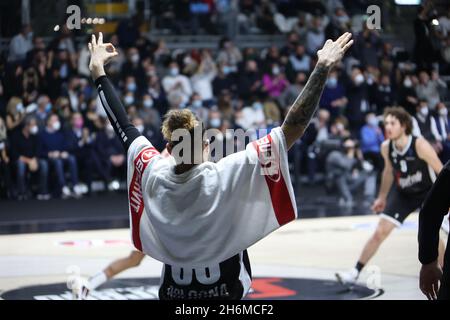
column 223, row 80
column 5, row 175
column 333, row 97
column 229, row 54
column 443, row 127
column 345, row 168
column 371, row 139
column 133, row 68
column 384, row 94
column 424, row 124
column 368, row 47
column 43, row 110
column 249, row 82
column 177, row 83
column 21, row 44
column 289, row 95
column 274, row 83
column 429, row 89
column 15, row 113
column 54, row 149
column 407, row 96
column 25, row 156
column 298, row 62
column 358, row 97
column 203, row 77
column 315, row 36
column 423, row 47
column 148, row 111
column 110, row 151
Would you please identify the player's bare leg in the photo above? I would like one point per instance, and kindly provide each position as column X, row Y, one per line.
column 383, row 230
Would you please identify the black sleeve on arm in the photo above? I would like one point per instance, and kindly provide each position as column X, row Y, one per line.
column 115, row 110
column 434, row 208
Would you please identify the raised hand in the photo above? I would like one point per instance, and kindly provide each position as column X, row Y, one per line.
column 333, row 51
column 101, row 54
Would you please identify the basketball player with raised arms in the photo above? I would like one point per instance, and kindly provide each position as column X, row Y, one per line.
column 198, row 217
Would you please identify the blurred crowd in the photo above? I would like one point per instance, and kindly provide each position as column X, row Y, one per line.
column 55, row 139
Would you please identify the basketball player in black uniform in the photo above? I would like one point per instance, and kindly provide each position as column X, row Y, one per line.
column 410, row 168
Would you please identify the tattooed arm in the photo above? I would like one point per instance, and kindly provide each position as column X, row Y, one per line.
column 305, row 105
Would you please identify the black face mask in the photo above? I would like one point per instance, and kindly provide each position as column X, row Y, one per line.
column 299, row 56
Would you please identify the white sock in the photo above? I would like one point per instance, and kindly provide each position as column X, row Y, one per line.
column 97, row 280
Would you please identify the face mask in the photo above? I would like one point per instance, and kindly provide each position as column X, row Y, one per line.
column 226, row 70
column 19, row 107
column 197, row 104
column 359, row 79
column 373, row 121
column 443, row 112
column 340, row 127
column 424, row 111
column 48, row 107
column 129, row 100
column 257, row 106
column 148, row 103
column 140, row 128
column 174, row 71
column 332, row 82
column 56, row 126
column 276, row 70
column 135, row 58
column 132, row 87
column 78, row 123
column 407, row 83
column 34, row 130
column 342, row 20
column 215, row 123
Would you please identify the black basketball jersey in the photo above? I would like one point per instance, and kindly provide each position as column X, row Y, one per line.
column 411, row 174
column 228, row 280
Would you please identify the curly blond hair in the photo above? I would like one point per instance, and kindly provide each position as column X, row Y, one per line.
column 178, row 119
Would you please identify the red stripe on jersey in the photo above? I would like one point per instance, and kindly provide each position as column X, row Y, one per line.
column 269, row 158
column 135, row 198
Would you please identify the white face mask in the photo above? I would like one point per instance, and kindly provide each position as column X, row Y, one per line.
column 424, row 111
column 135, row 58
column 56, row 126
column 407, row 83
column 359, row 79
column 276, row 70
column 443, row 112
column 34, row 130
column 140, row 128
column 340, row 126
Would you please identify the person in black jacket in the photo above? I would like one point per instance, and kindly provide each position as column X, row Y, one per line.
column 434, row 208
column 24, row 154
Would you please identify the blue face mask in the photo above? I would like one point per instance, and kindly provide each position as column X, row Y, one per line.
column 215, row 123
column 131, row 87
column 332, row 82
column 197, row 103
column 226, row 70
column 257, row 106
column 48, row 107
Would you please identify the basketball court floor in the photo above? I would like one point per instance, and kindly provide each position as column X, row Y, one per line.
column 297, row 261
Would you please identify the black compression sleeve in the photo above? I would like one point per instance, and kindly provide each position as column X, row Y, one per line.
column 435, row 207
column 116, row 112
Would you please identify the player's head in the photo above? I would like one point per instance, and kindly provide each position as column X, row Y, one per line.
column 397, row 123
column 185, row 136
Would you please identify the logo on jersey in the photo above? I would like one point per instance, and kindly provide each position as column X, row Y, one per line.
column 269, row 158
column 135, row 197
column 409, row 180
